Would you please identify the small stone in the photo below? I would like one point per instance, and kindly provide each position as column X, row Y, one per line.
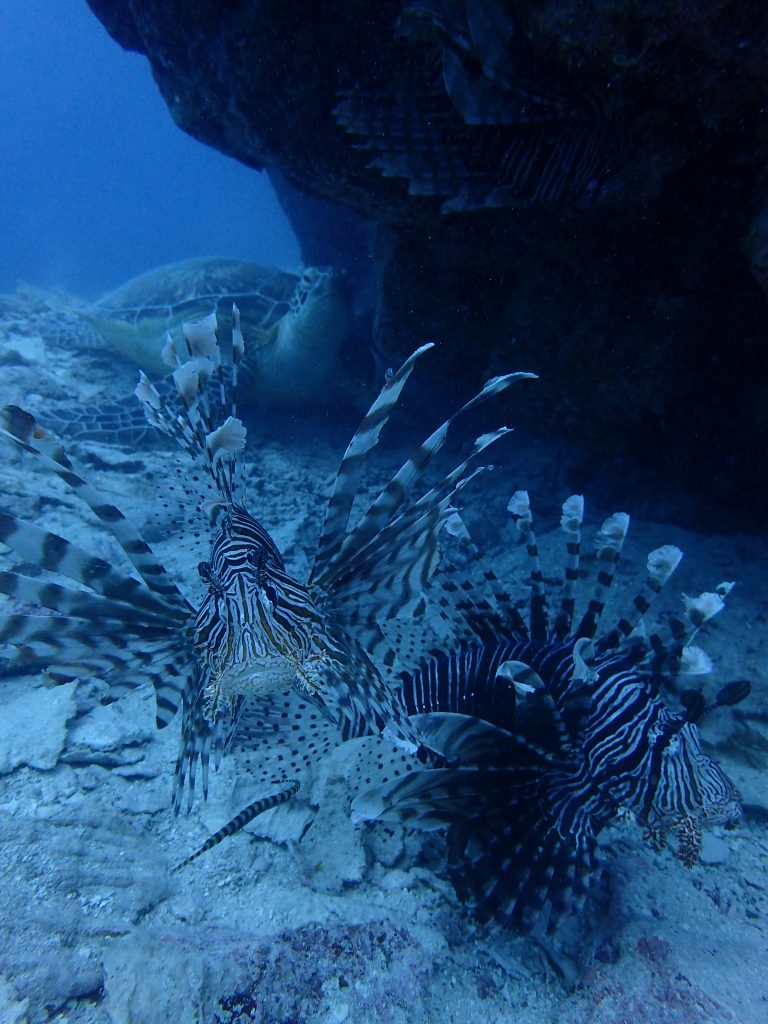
column 338, row 1014
column 714, row 849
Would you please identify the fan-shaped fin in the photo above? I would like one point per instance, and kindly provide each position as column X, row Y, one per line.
column 22, row 428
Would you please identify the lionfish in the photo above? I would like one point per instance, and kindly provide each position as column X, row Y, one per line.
column 545, row 731
column 260, row 641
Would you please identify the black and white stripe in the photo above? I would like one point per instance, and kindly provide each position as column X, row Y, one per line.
column 561, row 731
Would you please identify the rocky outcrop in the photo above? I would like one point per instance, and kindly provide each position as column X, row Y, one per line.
column 586, row 179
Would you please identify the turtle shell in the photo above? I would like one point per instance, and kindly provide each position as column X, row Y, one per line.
column 192, row 288
column 135, row 317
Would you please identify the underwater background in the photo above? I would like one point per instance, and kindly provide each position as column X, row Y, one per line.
column 573, row 190
column 97, row 183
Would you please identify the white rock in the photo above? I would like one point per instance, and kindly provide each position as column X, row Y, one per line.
column 126, row 722
column 166, row 978
column 33, row 726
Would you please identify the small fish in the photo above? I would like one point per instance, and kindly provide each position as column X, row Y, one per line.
column 260, row 639
column 543, row 732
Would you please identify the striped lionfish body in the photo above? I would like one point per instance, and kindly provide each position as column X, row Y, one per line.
column 547, row 731
column 258, row 635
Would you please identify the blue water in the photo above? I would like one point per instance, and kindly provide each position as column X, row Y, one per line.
column 96, row 182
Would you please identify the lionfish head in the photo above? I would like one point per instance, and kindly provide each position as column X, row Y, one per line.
column 693, row 791
column 255, row 622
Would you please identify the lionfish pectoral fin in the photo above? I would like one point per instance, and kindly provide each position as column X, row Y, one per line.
column 361, row 700
column 408, row 638
column 428, row 800
column 23, row 430
column 461, row 739
column 525, row 680
column 512, row 864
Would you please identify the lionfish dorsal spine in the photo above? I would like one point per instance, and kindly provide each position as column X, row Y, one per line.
column 520, row 507
column 608, row 544
column 339, row 508
column 672, row 645
column 238, row 351
column 383, row 512
column 660, row 565
column 387, row 503
column 570, row 523
column 213, row 438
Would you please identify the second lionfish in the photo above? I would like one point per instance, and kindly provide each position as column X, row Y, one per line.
column 258, row 631
column 546, row 727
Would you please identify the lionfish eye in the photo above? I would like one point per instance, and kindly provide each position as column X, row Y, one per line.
column 225, row 525
column 271, row 594
column 256, row 556
column 207, row 574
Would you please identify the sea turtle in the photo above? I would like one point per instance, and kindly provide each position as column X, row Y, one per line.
column 293, row 322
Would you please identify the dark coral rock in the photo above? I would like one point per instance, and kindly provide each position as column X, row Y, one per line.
column 360, row 103
column 375, row 972
column 654, row 949
column 587, row 179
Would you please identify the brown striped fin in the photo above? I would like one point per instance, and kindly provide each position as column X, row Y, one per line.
column 364, row 440
column 22, row 428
